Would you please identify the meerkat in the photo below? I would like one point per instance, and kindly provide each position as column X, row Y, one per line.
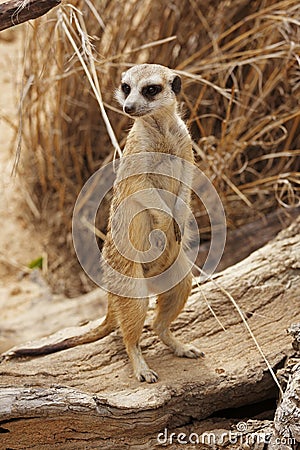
column 148, row 94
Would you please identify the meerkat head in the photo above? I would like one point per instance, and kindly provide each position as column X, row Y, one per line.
column 148, row 88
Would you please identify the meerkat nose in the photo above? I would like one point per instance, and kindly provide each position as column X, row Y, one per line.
column 129, row 109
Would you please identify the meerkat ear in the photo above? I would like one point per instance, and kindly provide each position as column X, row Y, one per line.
column 176, row 84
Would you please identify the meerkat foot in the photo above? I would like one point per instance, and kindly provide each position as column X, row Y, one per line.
column 140, row 368
column 147, row 375
column 188, row 351
column 178, row 348
column 143, row 372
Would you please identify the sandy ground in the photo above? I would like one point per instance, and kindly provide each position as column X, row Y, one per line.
column 20, row 243
column 28, row 307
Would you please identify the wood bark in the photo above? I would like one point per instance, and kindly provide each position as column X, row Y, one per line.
column 87, row 397
column 286, row 435
column 15, row 12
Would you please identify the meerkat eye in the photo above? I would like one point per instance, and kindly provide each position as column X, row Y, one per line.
column 152, row 90
column 126, row 88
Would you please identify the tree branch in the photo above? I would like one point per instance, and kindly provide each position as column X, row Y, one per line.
column 15, row 12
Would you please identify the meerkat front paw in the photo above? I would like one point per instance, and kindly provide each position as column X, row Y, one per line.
column 177, row 231
column 188, row 351
column 147, row 375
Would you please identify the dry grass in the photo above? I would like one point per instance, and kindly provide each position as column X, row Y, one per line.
column 240, row 65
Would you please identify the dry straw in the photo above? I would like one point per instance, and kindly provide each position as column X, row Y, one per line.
column 240, row 66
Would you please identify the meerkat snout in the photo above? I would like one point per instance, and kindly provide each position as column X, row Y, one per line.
column 129, row 109
column 148, row 88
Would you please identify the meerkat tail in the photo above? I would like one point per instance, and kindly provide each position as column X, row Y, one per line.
column 64, row 339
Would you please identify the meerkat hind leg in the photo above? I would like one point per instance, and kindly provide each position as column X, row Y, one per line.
column 132, row 314
column 169, row 305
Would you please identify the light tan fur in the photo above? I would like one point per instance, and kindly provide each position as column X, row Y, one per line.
column 157, row 128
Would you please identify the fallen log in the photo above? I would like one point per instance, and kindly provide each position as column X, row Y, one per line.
column 87, row 397
column 15, row 12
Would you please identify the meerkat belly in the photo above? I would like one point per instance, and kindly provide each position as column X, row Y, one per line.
column 145, row 228
column 152, row 234
column 149, row 242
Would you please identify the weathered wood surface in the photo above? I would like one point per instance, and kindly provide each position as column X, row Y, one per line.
column 286, row 435
column 287, row 417
column 86, row 397
column 15, row 12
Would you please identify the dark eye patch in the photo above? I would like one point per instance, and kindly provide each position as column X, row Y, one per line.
column 126, row 88
column 152, row 90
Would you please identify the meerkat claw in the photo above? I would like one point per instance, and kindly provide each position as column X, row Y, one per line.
column 147, row 375
column 177, row 231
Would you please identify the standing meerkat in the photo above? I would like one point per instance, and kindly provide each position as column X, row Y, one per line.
column 148, row 94
column 148, row 223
